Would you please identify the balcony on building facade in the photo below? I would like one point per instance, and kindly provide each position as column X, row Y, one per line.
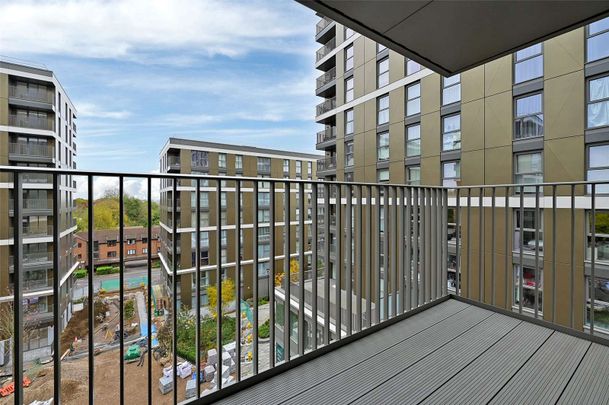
column 34, row 93
column 326, row 84
column 173, row 163
column 326, row 138
column 326, row 164
column 325, row 49
column 31, row 261
column 325, row 106
column 321, row 27
column 31, row 122
column 31, row 152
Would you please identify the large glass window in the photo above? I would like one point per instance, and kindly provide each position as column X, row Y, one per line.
column 264, row 165
column 382, row 116
column 451, row 132
column 528, row 287
column 598, row 102
column 382, row 72
column 412, row 67
column 239, row 162
column 382, row 175
column 451, row 173
column 413, row 174
column 601, row 237
column 598, row 40
column 349, row 89
column 601, row 302
column 349, row 58
column 349, row 153
column 598, row 167
column 380, row 48
column 528, row 120
column 528, row 169
column 199, row 158
column 286, row 166
column 222, row 161
column 413, row 140
column 299, row 168
column 528, row 64
column 413, row 99
column 382, row 146
column 349, row 128
column 528, row 231
column 348, row 32
column 451, row 89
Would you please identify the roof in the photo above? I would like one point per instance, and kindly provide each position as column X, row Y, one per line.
column 238, row 148
column 130, row 232
column 453, row 36
column 452, row 352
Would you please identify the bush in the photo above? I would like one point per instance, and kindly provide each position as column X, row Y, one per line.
column 80, row 273
column 263, row 330
column 103, row 270
column 129, row 309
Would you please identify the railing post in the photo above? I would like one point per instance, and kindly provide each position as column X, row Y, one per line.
column 301, row 270
column 358, row 257
column 149, row 292
column 349, row 260
column 121, row 296
column 327, row 264
column 218, row 286
column 18, row 288
column 91, row 312
column 198, row 287
column 592, row 257
column 272, row 338
column 400, row 246
column 56, row 291
column 416, row 215
column 409, row 249
column 368, row 254
column 255, row 276
column 458, row 243
column 286, row 272
column 174, row 282
column 314, row 258
column 340, row 262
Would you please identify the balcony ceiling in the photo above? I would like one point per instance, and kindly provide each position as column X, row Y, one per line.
column 453, row 36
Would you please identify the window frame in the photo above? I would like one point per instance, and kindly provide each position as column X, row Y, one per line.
column 379, row 111
column 515, row 62
column 527, row 189
column 351, row 91
column 522, row 117
column 588, row 101
column 407, row 60
column 349, row 60
column 351, row 122
column 412, row 85
column 413, row 140
column 379, row 136
column 349, row 153
column 382, row 74
column 588, row 37
column 409, row 179
column 450, row 86
column 444, row 132
column 600, row 188
column 526, row 249
column 456, row 179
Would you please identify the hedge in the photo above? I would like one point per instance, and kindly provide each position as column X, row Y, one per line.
column 102, row 270
column 80, row 273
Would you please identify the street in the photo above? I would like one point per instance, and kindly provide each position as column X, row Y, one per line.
column 81, row 285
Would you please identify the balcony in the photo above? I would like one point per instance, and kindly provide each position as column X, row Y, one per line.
column 325, row 49
column 326, row 164
column 326, row 138
column 31, row 152
column 173, row 163
column 32, row 206
column 36, row 94
column 31, row 122
column 326, row 84
column 325, row 29
column 325, row 106
column 385, row 326
column 33, row 231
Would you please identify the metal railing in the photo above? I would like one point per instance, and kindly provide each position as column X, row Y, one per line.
column 325, row 106
column 31, row 204
column 326, row 78
column 36, row 150
column 396, row 257
column 327, row 163
column 31, row 230
column 322, row 24
column 326, row 135
column 325, row 49
column 33, row 122
column 30, row 94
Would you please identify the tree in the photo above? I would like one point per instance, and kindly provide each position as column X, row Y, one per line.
column 294, row 273
column 228, row 295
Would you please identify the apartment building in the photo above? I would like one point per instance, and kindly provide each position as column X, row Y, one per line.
column 539, row 115
column 37, row 129
column 106, row 251
column 207, row 158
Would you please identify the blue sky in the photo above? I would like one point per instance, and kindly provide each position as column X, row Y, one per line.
column 140, row 71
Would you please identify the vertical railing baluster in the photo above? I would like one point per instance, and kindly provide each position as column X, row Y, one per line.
column 445, row 242
column 536, row 309
column 520, row 251
column 400, row 246
column 149, row 292
column 393, row 256
column 238, row 280
column 572, row 255
column 121, row 287
column 327, row 244
column 349, row 262
column 416, row 245
column 493, row 253
column 18, row 287
column 286, row 272
column 218, row 285
column 386, row 261
column 301, row 270
column 554, row 253
column 198, row 286
column 91, row 269
column 340, row 261
column 592, row 257
column 506, row 248
column 377, row 256
column 469, row 243
column 255, row 265
column 174, row 279
column 314, row 258
column 458, row 242
column 408, row 246
column 433, row 265
column 272, row 270
column 425, row 246
column 368, row 254
column 56, row 291
column 481, row 269
column 359, row 235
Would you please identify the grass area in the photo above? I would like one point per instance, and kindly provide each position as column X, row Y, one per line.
column 187, row 334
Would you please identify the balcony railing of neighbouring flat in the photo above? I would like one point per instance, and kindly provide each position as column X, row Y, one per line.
column 36, row 150
column 321, row 24
column 327, row 163
column 326, row 78
column 34, row 122
column 37, row 93
column 325, row 49
column 326, row 105
column 394, row 249
column 326, row 135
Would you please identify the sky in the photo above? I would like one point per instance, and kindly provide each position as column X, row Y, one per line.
column 141, row 71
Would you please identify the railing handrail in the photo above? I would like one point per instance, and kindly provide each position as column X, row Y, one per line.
column 326, row 77
column 326, row 134
column 31, row 149
column 321, row 24
column 325, row 49
column 25, row 93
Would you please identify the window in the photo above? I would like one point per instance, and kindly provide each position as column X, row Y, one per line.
column 382, row 72
column 601, row 237
column 528, row 169
column 264, row 215
column 222, row 161
column 239, row 162
column 598, row 167
column 264, row 234
column 413, row 175
column 451, row 174
column 382, row 105
column 412, row 67
column 413, row 140
column 348, row 153
column 451, row 89
column 598, row 102
column 286, row 166
column 597, row 43
column 528, row 64
column 382, row 146
column 199, row 158
column 349, row 89
column 111, row 254
column 349, row 177
column 310, row 170
column 601, row 302
column 413, row 99
column 111, row 242
column 528, row 231
column 144, row 250
column 264, row 199
column 348, row 32
column 349, row 122
column 264, row 251
column 298, row 168
column 528, row 121
column 451, row 132
column 131, row 251
column 380, row 48
column 529, row 281
column 383, row 175
column 264, row 165
column 223, row 237
column 348, row 58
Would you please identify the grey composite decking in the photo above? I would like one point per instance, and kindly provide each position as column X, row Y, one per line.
column 450, row 353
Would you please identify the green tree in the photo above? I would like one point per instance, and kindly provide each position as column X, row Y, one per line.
column 228, row 295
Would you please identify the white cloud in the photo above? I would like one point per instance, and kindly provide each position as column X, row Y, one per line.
column 135, row 29
column 135, row 187
column 91, row 110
